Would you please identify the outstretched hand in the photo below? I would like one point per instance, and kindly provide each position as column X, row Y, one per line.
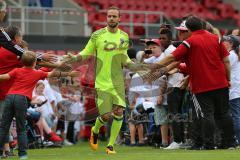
column 49, row 57
column 63, row 66
column 69, row 58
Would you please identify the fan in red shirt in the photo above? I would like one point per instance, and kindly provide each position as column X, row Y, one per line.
column 9, row 61
column 209, row 73
column 18, row 96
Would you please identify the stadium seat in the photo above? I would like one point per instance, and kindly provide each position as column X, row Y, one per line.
column 226, row 10
column 149, row 7
column 125, row 18
column 141, row 5
column 100, row 17
column 152, row 18
column 91, row 18
column 138, row 18
column 210, row 3
column 236, row 16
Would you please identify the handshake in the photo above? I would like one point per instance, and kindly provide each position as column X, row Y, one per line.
column 148, row 72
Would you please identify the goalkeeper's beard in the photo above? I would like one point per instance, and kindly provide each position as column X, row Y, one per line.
column 114, row 25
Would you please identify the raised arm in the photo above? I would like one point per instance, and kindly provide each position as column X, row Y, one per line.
column 4, row 77
column 62, row 74
column 88, row 51
column 177, row 55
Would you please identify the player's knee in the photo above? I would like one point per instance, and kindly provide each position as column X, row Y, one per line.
column 106, row 117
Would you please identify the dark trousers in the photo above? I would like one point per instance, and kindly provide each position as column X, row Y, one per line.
column 70, row 132
column 195, row 127
column 174, row 100
column 215, row 109
column 15, row 106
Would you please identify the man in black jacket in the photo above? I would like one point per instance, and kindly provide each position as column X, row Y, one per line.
column 6, row 42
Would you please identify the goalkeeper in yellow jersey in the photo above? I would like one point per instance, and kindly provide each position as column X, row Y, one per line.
column 109, row 45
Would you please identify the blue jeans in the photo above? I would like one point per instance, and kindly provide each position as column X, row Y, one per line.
column 235, row 112
column 15, row 106
column 1, row 113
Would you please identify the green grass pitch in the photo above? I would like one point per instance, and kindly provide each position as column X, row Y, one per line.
column 81, row 151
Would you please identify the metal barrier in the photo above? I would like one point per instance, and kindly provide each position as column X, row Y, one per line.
column 48, row 21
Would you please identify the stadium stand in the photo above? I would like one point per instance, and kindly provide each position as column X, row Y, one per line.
column 208, row 9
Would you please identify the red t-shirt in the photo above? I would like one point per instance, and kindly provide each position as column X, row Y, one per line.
column 8, row 61
column 203, row 54
column 25, row 79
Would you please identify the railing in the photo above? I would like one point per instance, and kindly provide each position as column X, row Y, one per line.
column 147, row 25
column 73, row 22
column 43, row 20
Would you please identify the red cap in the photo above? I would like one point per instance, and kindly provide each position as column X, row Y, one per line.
column 156, row 41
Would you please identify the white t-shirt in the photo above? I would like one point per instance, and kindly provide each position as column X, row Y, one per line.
column 76, row 108
column 234, row 91
column 46, row 108
column 58, row 97
column 48, row 92
column 51, row 93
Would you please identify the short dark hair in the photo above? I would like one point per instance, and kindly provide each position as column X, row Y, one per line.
column 114, row 8
column 166, row 31
column 194, row 23
column 28, row 58
column 13, row 31
column 185, row 17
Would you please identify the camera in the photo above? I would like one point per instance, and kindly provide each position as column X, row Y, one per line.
column 148, row 51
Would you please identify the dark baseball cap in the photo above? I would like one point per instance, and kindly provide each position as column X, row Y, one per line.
column 234, row 39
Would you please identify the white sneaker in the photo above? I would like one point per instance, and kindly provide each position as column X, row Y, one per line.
column 174, row 145
column 67, row 143
column 47, row 143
